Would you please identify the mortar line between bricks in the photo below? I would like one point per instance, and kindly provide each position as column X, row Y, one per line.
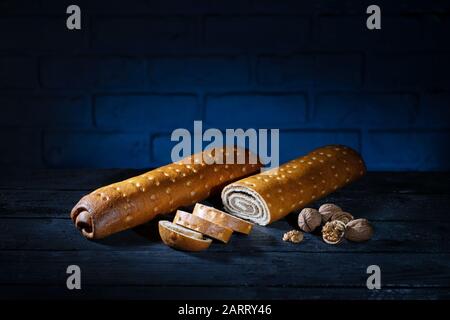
column 39, row 72
column 89, row 33
column 202, row 100
column 42, row 147
column 202, row 33
column 363, row 75
column 252, row 76
column 146, row 93
column 310, row 105
column 197, row 25
column 409, row 130
column 92, row 100
column 43, row 15
column 141, row 15
column 417, row 108
column 360, row 141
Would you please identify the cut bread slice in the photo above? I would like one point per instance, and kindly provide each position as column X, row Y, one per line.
column 206, row 227
column 221, row 218
column 181, row 238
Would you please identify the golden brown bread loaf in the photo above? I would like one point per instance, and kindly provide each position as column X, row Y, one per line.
column 129, row 203
column 271, row 195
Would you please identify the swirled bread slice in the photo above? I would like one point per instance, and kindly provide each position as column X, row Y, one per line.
column 206, row 227
column 221, row 218
column 181, row 238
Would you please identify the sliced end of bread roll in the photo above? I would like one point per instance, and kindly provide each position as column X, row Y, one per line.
column 204, row 226
column 221, row 218
column 181, row 238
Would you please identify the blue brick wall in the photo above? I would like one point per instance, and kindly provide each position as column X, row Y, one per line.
column 111, row 94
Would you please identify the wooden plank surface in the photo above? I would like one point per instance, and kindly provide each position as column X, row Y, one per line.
column 411, row 245
column 140, row 292
column 176, row 268
column 60, row 234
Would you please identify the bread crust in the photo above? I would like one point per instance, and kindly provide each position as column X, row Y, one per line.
column 132, row 202
column 269, row 196
column 222, row 218
column 203, row 226
column 180, row 239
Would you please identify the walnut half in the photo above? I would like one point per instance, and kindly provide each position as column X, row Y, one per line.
column 293, row 236
column 333, row 231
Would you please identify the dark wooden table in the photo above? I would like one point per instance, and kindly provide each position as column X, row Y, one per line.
column 410, row 213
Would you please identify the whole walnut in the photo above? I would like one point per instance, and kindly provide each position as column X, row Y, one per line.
column 309, row 219
column 358, row 230
column 343, row 216
column 327, row 210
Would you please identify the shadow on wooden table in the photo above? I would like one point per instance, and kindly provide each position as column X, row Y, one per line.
column 140, row 236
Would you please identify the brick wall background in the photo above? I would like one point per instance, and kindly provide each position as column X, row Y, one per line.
column 110, row 94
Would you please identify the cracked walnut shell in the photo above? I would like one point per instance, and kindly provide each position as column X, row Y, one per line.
column 333, row 232
column 358, row 230
column 343, row 216
column 309, row 219
column 327, row 210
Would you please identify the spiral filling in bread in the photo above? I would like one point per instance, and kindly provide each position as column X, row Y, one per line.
column 246, row 203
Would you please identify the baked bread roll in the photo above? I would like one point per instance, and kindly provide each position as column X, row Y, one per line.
column 132, row 202
column 271, row 195
column 181, row 238
column 221, row 218
column 203, row 226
